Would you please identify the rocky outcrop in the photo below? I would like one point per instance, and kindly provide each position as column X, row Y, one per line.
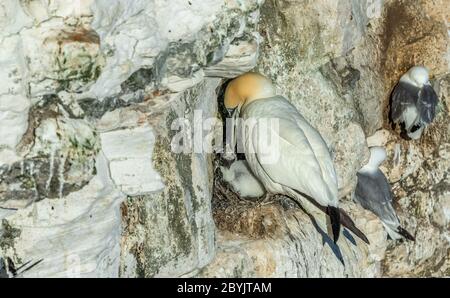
column 89, row 184
column 108, row 121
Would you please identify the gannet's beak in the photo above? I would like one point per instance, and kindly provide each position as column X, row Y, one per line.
column 236, row 126
column 234, row 112
column 230, row 154
column 231, row 112
column 226, row 163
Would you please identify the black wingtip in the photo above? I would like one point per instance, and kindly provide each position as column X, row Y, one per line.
column 335, row 218
column 349, row 224
column 415, row 128
column 405, row 234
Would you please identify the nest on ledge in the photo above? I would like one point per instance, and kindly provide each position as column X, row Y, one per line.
column 254, row 218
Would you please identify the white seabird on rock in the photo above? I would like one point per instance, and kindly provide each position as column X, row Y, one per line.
column 242, row 180
column 284, row 151
column 374, row 193
column 414, row 102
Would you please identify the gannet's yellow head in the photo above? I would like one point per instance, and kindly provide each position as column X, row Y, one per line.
column 246, row 88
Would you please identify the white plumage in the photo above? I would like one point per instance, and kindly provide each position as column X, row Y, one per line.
column 302, row 163
column 284, row 151
column 414, row 102
column 374, row 193
column 242, row 180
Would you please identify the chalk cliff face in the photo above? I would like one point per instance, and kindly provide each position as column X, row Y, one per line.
column 95, row 93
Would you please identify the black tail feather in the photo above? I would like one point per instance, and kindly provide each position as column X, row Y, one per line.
column 405, row 234
column 347, row 222
column 335, row 218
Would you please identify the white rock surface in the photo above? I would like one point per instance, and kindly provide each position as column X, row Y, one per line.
column 14, row 104
column 239, row 58
column 77, row 236
column 129, row 152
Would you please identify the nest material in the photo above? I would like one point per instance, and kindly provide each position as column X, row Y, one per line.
column 253, row 218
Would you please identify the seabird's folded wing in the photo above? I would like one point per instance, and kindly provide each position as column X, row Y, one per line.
column 321, row 153
column 426, row 104
column 296, row 166
column 403, row 96
column 374, row 194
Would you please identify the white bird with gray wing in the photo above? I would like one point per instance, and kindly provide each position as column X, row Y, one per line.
column 374, row 193
column 413, row 102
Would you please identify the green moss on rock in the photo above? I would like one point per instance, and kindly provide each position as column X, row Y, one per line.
column 8, row 236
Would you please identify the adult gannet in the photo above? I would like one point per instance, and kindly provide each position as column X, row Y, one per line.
column 413, row 103
column 284, row 151
column 374, row 193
